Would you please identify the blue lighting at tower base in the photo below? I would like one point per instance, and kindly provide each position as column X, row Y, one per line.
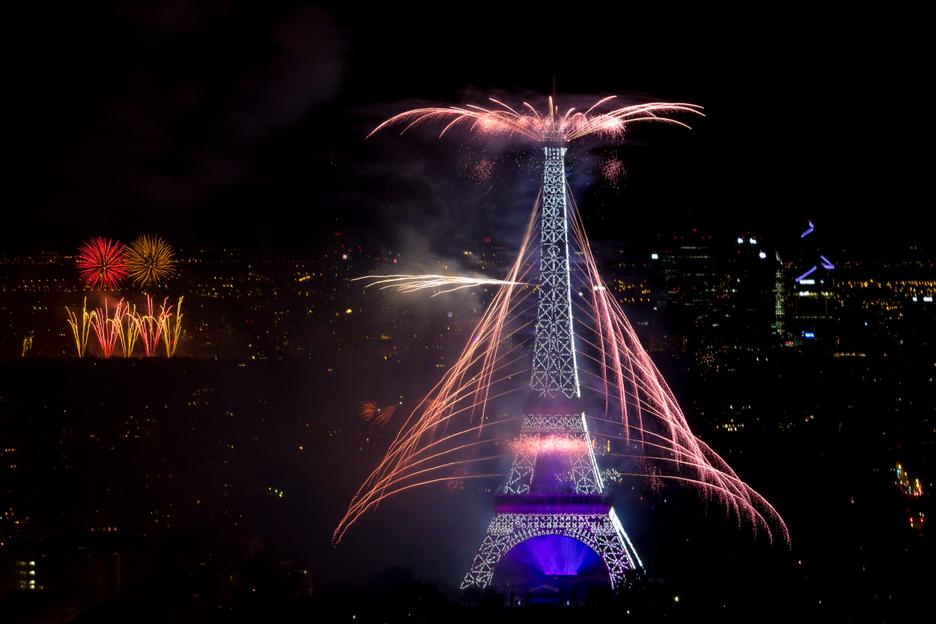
column 550, row 560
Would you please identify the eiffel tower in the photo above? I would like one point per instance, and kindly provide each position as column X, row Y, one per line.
column 554, row 487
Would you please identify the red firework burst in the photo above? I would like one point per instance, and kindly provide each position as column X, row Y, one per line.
column 102, row 263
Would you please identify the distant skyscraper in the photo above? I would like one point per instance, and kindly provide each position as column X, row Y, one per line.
column 812, row 305
column 722, row 294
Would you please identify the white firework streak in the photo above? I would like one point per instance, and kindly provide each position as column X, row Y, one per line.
column 448, row 283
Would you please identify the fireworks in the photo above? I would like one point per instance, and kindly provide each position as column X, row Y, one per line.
column 549, row 125
column 127, row 329
column 80, row 331
column 149, row 328
column 122, row 324
column 102, row 263
column 612, row 170
column 373, row 414
column 481, row 170
column 448, row 283
column 105, row 328
column 172, row 326
column 105, row 263
column 151, row 260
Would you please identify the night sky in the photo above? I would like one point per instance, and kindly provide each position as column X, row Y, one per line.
column 243, row 123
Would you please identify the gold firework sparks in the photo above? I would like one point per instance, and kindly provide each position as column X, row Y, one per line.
column 151, row 260
column 81, row 328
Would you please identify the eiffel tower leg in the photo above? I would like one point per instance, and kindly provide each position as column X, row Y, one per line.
column 521, row 474
column 495, row 545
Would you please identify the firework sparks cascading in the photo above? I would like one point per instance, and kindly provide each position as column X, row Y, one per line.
column 150, row 260
column 81, row 329
column 102, row 263
column 171, row 326
column 447, row 283
column 107, row 328
column 439, row 440
column 127, row 329
column 149, row 327
column 550, row 125
column 125, row 326
column 450, row 432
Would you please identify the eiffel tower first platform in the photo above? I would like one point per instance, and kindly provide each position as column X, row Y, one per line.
column 554, row 487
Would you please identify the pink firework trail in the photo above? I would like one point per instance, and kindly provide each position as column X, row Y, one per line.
column 443, row 438
column 456, row 433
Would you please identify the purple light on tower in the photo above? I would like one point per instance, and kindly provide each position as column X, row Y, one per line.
column 556, row 555
column 826, row 263
column 808, row 231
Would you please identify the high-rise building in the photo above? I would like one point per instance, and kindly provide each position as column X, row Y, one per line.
column 721, row 294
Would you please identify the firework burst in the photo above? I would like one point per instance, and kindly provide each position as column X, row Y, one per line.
column 549, row 125
column 612, row 170
column 374, row 414
column 102, row 263
column 481, row 170
column 151, row 260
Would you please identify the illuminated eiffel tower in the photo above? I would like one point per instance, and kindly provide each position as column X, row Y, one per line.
column 554, row 487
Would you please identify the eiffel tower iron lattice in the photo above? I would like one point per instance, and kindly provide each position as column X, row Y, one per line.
column 554, row 434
